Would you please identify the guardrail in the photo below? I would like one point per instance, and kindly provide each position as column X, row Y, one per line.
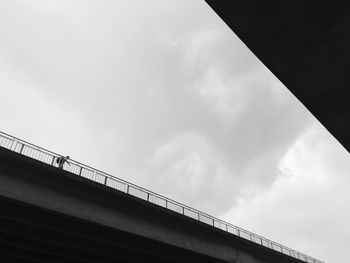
column 22, row 147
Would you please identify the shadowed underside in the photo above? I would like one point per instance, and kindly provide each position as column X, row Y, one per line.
column 305, row 43
column 51, row 215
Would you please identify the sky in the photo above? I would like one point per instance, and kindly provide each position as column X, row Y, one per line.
column 163, row 94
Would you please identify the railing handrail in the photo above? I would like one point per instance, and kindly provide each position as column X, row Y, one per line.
column 99, row 171
column 180, row 206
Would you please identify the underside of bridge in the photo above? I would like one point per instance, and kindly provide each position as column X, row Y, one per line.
column 31, row 234
column 51, row 215
column 305, row 43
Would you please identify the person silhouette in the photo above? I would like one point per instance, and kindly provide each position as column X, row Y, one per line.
column 61, row 160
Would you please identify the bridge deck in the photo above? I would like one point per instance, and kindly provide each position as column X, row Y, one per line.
column 47, row 160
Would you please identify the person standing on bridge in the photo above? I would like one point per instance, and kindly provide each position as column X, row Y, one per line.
column 61, row 160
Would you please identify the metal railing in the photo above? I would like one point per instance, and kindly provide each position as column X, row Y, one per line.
column 22, row 147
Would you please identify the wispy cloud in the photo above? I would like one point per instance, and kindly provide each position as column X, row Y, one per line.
column 305, row 207
column 192, row 172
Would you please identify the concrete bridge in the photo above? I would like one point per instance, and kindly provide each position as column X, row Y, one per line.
column 305, row 43
column 80, row 214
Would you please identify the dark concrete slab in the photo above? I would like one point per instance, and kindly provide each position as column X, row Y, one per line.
column 305, row 43
column 47, row 213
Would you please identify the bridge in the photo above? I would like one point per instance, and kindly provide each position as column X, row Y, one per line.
column 305, row 44
column 81, row 214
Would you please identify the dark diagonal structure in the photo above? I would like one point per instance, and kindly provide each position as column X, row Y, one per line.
column 80, row 214
column 305, row 43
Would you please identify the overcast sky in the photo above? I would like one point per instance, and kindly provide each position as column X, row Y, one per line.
column 164, row 95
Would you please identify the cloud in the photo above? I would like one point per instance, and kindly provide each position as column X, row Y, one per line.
column 215, row 118
column 306, row 205
column 228, row 99
column 231, row 96
column 251, row 117
column 192, row 173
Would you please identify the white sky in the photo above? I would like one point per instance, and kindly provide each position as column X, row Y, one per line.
column 164, row 95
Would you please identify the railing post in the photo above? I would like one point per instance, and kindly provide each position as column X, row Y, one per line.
column 147, row 197
column 20, row 151
column 127, row 188
column 13, row 140
column 105, row 182
column 166, row 203
column 81, row 169
column 53, row 158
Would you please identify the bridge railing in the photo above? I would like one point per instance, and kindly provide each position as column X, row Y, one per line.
column 25, row 148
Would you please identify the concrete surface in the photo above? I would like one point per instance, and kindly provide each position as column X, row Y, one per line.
column 305, row 43
column 50, row 215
